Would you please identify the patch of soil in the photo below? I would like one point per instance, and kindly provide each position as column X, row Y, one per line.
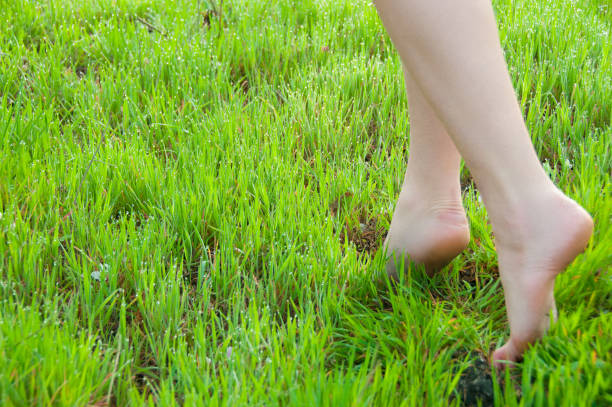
column 366, row 236
column 476, row 385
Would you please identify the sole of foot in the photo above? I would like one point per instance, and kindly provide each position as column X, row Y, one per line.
column 548, row 237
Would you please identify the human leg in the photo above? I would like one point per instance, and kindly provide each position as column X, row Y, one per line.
column 452, row 50
column 429, row 225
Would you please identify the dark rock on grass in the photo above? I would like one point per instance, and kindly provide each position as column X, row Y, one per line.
column 475, row 386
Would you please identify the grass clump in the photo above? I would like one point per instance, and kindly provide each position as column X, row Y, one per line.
column 192, row 198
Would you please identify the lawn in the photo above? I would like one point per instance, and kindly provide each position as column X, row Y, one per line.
column 193, row 196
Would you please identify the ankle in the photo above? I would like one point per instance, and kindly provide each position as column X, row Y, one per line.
column 440, row 193
column 513, row 215
column 541, row 219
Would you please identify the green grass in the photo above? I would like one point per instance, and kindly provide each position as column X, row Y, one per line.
column 191, row 203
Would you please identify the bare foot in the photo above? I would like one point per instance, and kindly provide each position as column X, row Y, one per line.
column 428, row 232
column 533, row 248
